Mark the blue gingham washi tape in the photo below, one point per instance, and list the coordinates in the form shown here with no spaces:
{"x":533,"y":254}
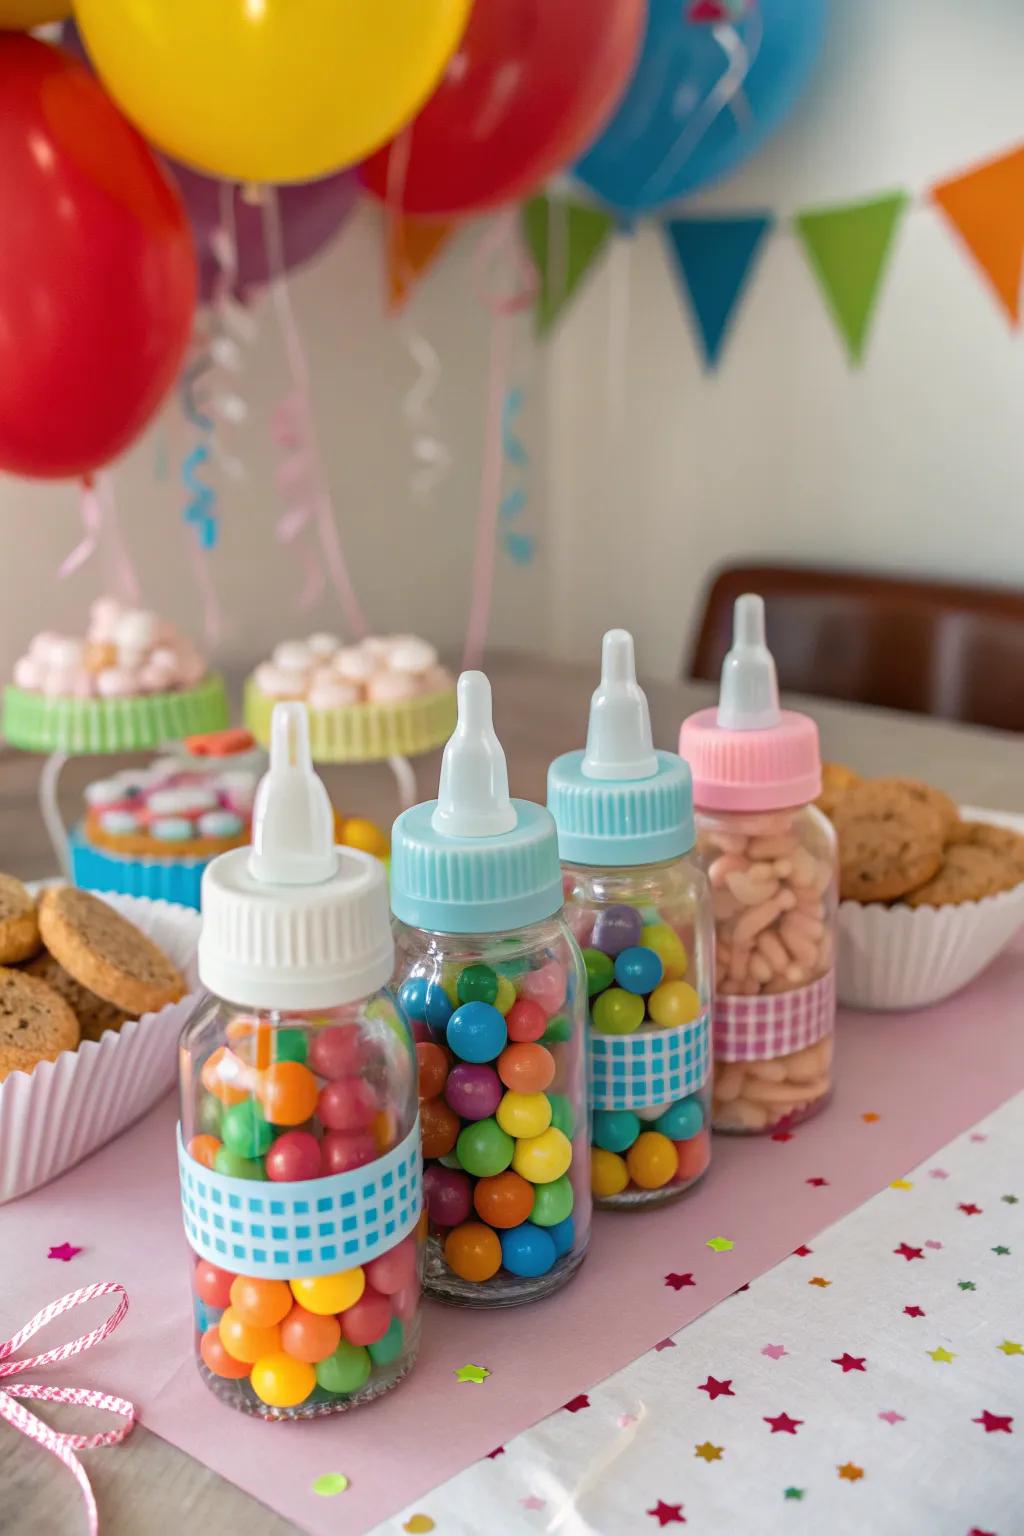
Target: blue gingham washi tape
{"x":650,"y":1067}
{"x":318,"y":1227}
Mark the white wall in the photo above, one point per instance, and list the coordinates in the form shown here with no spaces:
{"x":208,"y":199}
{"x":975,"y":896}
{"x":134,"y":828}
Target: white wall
{"x":645,"y":472}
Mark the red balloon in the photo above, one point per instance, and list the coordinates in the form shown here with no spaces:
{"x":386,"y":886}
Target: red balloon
{"x":529,"y":87}
{"x":97,"y":269}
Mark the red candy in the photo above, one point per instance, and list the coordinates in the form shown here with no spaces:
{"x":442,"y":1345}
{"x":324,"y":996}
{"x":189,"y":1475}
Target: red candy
{"x":337,"y":1051}
{"x":342,"y":1150}
{"x":212,"y":1285}
{"x":405,"y":1302}
{"x":216,"y":1358}
{"x":293,"y":1157}
{"x":694,"y":1156}
{"x":526,"y":1020}
{"x":367,"y":1321}
{"x":395,"y":1270}
{"x":347,"y":1104}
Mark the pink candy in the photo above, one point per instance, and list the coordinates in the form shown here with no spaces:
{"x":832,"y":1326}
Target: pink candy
{"x":545,"y":986}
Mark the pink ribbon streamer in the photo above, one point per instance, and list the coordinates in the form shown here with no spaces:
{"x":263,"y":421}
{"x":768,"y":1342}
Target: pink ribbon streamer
{"x":98,"y":511}
{"x":506,"y":284}
{"x":61,"y":1445}
{"x":91,"y":509}
{"x":296,"y":489}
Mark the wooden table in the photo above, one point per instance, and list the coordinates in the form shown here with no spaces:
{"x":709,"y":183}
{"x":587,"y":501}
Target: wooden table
{"x":147,"y":1488}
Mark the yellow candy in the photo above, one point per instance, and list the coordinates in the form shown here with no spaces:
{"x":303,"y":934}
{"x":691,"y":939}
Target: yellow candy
{"x":669,"y":948}
{"x":608,"y":1175}
{"x":358,"y":832}
{"x":544,"y":1158}
{"x":449,"y":982}
{"x":282,"y":1382}
{"x":506,"y":995}
{"x":652,"y":1160}
{"x":524,"y":1114}
{"x":674,"y":1002}
{"x":325,"y":1294}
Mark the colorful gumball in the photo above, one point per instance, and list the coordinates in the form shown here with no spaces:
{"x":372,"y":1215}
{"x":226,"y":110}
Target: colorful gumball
{"x":203,"y":1149}
{"x":288,"y":1092}
{"x":669,"y":947}
{"x":638,"y":969}
{"x":325,"y":1294}
{"x":368,"y":1320}
{"x":681,"y":1120}
{"x":652,"y":1160}
{"x":347,"y":1104}
{"x":439,"y":1127}
{"x":226,"y":1076}
{"x":524,"y":1114}
{"x":433,"y":1061}
{"x":526,"y":1020}
{"x":526,"y":1068}
{"x":291,"y":1045}
{"x":261,"y":1303}
{"x":617,"y":1012}
{"x":563,"y":1236}
{"x":477,"y":1032}
{"x":544,"y":1158}
{"x":310,"y":1336}
{"x":474,"y":1091}
{"x":563,"y":1117}
{"x":394,"y":1270}
{"x":234,"y":1167}
{"x":212,"y":1285}
{"x":484,"y":1149}
{"x":505,"y":997}
{"x":600,"y":970}
{"x":617,"y":928}
{"x":282,"y":1382}
{"x":694,"y":1156}
{"x":344,"y":1371}
{"x":448,"y":1195}
{"x":608,"y":1173}
{"x":387,"y":1349}
{"x":546,"y":985}
{"x":559,"y":1030}
{"x":244,"y":1129}
{"x":505,"y":1200}
{"x":337,"y":1051}
{"x":244,"y":1341}
{"x":527,"y":1250}
{"x":552,"y":1203}
{"x":477,"y":984}
{"x":615,"y":1129}
{"x":405,"y":1302}
{"x":216,"y":1358}
{"x":341,"y":1151}
{"x":674,"y":1003}
{"x":473,"y":1252}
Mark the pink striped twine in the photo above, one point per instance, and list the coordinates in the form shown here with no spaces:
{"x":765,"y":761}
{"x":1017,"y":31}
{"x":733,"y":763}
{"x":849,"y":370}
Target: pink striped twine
{"x":64,"y":1446}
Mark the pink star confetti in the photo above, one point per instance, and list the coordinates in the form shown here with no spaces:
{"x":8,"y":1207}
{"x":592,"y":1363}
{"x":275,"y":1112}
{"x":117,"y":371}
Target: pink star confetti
{"x":626,"y":1420}
{"x":933,"y":1243}
{"x":890,"y":1416}
{"x":914,"y":1311}
{"x":532,"y":1502}
{"x":937,"y":1173}
{"x":775,"y":1351}
{"x":802,"y":1251}
{"x":63,"y":1251}
{"x":499,"y":1450}
{"x":978,"y":1136}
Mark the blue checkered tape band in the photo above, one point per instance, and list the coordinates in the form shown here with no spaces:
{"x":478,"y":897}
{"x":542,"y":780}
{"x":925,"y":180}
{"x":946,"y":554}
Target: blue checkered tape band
{"x":654,"y":1066}
{"x":317,"y":1227}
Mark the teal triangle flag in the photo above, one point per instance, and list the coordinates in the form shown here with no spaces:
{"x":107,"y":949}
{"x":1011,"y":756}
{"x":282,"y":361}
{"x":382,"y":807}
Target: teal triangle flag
{"x":715,"y":258}
{"x":848,"y":248}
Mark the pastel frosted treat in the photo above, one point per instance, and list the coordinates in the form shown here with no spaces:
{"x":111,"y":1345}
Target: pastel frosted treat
{"x":125,"y":652}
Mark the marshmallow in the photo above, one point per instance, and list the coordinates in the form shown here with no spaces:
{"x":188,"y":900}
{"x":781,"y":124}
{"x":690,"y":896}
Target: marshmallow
{"x":28,"y":674}
{"x":354,"y":664}
{"x":412,"y":655}
{"x":187,"y":801}
{"x":116,"y":683}
{"x":328,"y":693}
{"x":292,"y":656}
{"x":136,"y":630}
{"x":323,"y":644}
{"x":390,"y":688}
{"x":277,"y":683}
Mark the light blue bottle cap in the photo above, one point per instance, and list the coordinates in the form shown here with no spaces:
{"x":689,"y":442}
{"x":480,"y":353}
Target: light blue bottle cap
{"x":474,"y":860}
{"x":620,"y":802}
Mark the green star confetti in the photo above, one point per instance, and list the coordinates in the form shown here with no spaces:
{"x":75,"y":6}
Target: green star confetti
{"x":330,"y":1483}
{"x":794,"y":1493}
{"x":719,"y":1244}
{"x":474,"y":1373}
{"x":1001,"y":1250}
{"x":967,"y":1285}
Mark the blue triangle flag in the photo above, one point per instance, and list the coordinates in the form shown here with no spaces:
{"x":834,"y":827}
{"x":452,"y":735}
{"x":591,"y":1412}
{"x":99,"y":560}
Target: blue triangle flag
{"x":715,"y":258}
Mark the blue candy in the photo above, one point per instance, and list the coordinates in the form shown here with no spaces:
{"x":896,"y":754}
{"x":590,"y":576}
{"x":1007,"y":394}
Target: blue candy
{"x":426,"y":1001}
{"x":638,"y":969}
{"x":477,"y":1032}
{"x":615,"y":1129}
{"x":528,"y":1250}
{"x":563,"y":1235}
{"x":681,"y":1120}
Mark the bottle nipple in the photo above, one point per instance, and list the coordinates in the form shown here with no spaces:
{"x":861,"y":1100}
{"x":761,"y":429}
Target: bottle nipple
{"x":472,"y":796}
{"x":293,"y":823}
{"x":619,"y":744}
{"x":749,"y":695}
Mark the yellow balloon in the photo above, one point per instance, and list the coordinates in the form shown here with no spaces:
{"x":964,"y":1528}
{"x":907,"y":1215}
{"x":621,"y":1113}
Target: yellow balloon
{"x":270,"y":90}
{"x":18,"y":15}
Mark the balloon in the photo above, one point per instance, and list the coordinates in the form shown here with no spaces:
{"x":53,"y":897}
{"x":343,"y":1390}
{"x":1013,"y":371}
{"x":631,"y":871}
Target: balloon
{"x":97,"y":270}
{"x":683,"y":121}
{"x":270,"y":90}
{"x":19,"y":15}
{"x":530,"y":85}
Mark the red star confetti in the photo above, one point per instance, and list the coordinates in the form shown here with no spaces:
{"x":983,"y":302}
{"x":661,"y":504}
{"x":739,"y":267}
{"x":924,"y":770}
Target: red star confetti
{"x":782,"y":1424}
{"x":802,"y":1251}
{"x":906,"y":1252}
{"x":850,"y":1472}
{"x":976,"y":1530}
{"x":816,"y":1183}
{"x":969,"y":1208}
{"x":819,"y":1280}
{"x":851,"y":1362}
{"x":890,"y":1416}
{"x":581,"y":1400}
{"x":664,"y":1344}
{"x":63,"y":1251}
{"x":914,"y":1311}
{"x":715,"y":1388}
{"x":775,"y":1351}
{"x":668,"y":1514}
{"x":679,"y":1282}
{"x":995,"y":1421}
{"x":499,"y":1450}
{"x":782,"y":1135}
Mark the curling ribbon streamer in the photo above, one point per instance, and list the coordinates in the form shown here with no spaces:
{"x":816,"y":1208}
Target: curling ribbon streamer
{"x":92,"y":527}
{"x":296,"y":489}
{"x":295,"y":412}
{"x":501,"y":246}
{"x":200,"y":498}
{"x":61,"y":1445}
{"x":519,"y":546}
{"x":99,"y":524}
{"x":429,"y":450}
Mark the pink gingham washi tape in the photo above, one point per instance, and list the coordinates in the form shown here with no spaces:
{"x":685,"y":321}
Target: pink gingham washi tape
{"x":761,"y":1028}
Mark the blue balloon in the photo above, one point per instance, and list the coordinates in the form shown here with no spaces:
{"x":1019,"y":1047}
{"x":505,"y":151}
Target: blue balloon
{"x":683,"y":122}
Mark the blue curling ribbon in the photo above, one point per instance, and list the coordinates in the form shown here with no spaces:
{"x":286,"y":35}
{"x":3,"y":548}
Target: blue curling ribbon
{"x":518,"y":546}
{"x":201,"y":498}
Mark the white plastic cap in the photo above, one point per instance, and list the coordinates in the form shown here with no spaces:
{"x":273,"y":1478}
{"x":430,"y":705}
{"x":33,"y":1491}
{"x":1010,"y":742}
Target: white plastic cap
{"x":749,"y":695}
{"x":472,"y":796}
{"x":294,"y":922}
{"x":619,"y":742}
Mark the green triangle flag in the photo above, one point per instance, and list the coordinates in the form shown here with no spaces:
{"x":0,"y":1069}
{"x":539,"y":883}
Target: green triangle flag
{"x":564,"y":240}
{"x":848,"y":249}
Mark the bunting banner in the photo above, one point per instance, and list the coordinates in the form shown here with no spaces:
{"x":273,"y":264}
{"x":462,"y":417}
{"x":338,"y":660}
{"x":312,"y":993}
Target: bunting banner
{"x":848,"y":248}
{"x":412,"y":247}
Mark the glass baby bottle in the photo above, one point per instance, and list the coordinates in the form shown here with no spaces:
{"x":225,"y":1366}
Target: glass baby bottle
{"x":299,"y":1144}
{"x":638,"y":904}
{"x":493,"y":985}
{"x":770,"y":856}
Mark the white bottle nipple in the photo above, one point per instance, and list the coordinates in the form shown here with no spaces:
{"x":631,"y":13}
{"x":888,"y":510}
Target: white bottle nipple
{"x":749,"y":695}
{"x":472,"y":796}
{"x":293,"y":823}
{"x":619,"y":744}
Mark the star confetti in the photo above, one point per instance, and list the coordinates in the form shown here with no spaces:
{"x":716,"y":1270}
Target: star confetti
{"x":890,"y":1416}
{"x":1009,"y":1199}
{"x":782,"y":1424}
{"x":499,"y":1450}
{"x":719,"y":1244}
{"x":709,"y":1452}
{"x":940,"y":1356}
{"x":715,"y":1388}
{"x":775,"y":1351}
{"x":1011,"y":1347}
{"x":978,"y":1136}
{"x":966,"y":1285}
{"x":901,"y":1184}
{"x":1001,"y":1251}
{"x":969,"y":1208}
{"x":418,"y":1525}
{"x":794,"y":1493}
{"x":626,"y":1420}
{"x":915,"y":1311}
{"x":994,"y":1421}
{"x":532,"y":1502}
{"x":906,"y":1252}
{"x":802,"y":1251}
{"x":933,"y":1243}
{"x":63,"y":1251}
{"x":668,"y":1514}
{"x":851,"y":1362}
{"x":575,"y":1404}
{"x":679,"y":1282}
{"x":782,"y":1135}
{"x":850,"y":1472}
{"x":477,"y":1374}
{"x":664,"y":1344}
{"x":818,"y":1183}
{"x":937,"y":1173}
{"x":817,"y":1280}
{"x":330,"y":1483}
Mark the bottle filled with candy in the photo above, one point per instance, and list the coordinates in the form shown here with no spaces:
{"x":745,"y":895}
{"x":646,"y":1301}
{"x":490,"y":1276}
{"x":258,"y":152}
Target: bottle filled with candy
{"x":638,"y":905}
{"x":299,"y":1145}
{"x":770,"y":856}
{"x":492,"y":983}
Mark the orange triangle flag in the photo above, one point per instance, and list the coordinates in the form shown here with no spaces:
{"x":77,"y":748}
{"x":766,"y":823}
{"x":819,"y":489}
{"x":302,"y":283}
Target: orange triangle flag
{"x":986,"y":208}
{"x":412,"y":246}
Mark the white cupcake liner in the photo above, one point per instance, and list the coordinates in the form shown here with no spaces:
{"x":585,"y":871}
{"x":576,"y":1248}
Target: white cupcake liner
{"x":903,"y":957}
{"x":53,"y":1117}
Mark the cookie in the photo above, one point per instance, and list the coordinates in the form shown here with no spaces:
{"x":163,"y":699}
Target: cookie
{"x":836,"y":779}
{"x":19,"y":927}
{"x":968,"y":873}
{"x":36,"y":1023}
{"x":1000,"y":840}
{"x":890,"y":841}
{"x":94,"y":1015}
{"x":105,"y":953}
{"x":883,"y":794}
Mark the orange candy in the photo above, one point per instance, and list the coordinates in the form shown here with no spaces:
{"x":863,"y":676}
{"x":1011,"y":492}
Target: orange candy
{"x":383,"y":1130}
{"x":262,"y":1303}
{"x":694,"y":1156}
{"x":440,"y":1127}
{"x":226,"y":1076}
{"x":288,"y":1093}
{"x":434,"y":1063}
{"x":526,"y":1068}
{"x":216,"y":1358}
{"x":652,"y":1160}
{"x":204,"y":1149}
{"x":308,"y":1336}
{"x":245,"y":1342}
{"x":473,"y":1251}
{"x":503,"y":1200}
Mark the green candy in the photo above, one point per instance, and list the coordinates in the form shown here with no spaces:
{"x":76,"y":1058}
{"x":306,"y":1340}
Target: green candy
{"x":290,"y":1045}
{"x":617,"y":1012}
{"x":450,"y":1160}
{"x":390,"y":1346}
{"x":208,"y":1115}
{"x":559,"y":1030}
{"x":477,"y":984}
{"x":484,"y":1149}
{"x":244,"y":1129}
{"x":562,"y":1116}
{"x":552,"y":1202}
{"x":346,"y":1370}
{"x":235,"y":1167}
{"x":600,"y":970}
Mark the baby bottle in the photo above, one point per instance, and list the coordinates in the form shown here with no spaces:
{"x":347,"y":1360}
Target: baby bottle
{"x":770,"y":856}
{"x":638,"y":904}
{"x":493,"y":985}
{"x":299,"y":1144}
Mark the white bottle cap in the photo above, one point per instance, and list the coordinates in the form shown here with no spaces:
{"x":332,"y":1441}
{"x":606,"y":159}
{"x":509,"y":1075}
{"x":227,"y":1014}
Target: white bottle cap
{"x":472,"y":796}
{"x":749,"y":695}
{"x":294,"y":922}
{"x":619,"y":742}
